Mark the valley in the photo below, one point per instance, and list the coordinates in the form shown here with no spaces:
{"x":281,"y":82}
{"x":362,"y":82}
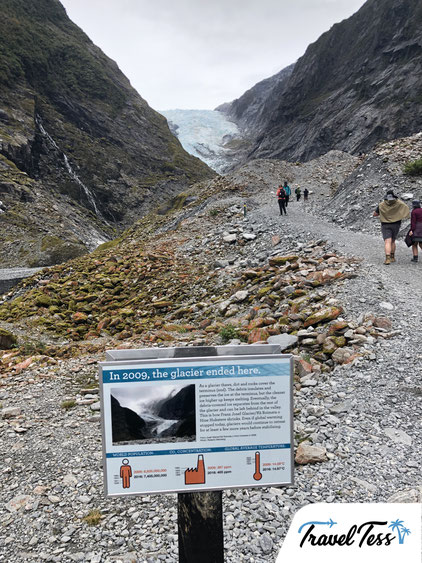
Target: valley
{"x":121,"y":228}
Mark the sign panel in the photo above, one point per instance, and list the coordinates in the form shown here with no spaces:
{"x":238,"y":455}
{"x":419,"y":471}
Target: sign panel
{"x":191,"y":424}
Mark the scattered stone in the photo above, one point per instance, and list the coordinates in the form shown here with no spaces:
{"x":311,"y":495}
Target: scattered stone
{"x":398,"y":436}
{"x":341,"y":407}
{"x":18,"y":502}
{"x":306,"y":453}
{"x":283,"y":340}
{"x":407,"y":495}
{"x":323,"y":315}
{"x":387,"y":306}
{"x":10,"y":412}
{"x":240,"y":296}
{"x":383,"y":322}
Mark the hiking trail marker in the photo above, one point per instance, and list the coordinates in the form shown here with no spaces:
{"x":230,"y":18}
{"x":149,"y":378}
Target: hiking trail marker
{"x":190,"y":420}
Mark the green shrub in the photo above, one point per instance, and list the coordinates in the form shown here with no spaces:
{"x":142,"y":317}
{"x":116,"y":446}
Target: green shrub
{"x":93,"y":517}
{"x":229,"y":332}
{"x":413,"y":168}
{"x":215,"y":211}
{"x":66,"y":405}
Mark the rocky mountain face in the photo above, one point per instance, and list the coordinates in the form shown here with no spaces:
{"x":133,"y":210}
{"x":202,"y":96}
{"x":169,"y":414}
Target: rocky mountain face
{"x":126,"y":424}
{"x":254,"y":108}
{"x":180,"y":405}
{"x":358,"y":84}
{"x":81,"y":153}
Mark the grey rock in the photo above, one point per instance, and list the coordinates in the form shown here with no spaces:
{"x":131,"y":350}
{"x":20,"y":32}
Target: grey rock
{"x":10,"y":412}
{"x":407,"y":495}
{"x":283,"y":340}
{"x":398,"y":436}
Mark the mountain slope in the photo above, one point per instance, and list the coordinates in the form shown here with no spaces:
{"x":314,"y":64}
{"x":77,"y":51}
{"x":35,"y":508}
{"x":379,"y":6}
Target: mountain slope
{"x":71,"y":121}
{"x":252,"y":110}
{"x":359,"y":83}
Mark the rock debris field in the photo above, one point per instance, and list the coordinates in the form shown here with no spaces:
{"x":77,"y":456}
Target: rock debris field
{"x":360,"y":411}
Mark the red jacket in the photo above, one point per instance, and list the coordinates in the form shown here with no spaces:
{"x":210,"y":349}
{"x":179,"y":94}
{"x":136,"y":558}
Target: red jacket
{"x":281,"y":194}
{"x":416,"y":222}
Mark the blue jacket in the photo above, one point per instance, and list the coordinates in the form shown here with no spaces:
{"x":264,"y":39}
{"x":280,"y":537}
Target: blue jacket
{"x":287,"y":190}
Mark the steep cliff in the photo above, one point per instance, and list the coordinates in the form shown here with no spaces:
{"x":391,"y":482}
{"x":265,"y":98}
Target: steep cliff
{"x":254,"y":108}
{"x":84,"y":138}
{"x":358,"y":84}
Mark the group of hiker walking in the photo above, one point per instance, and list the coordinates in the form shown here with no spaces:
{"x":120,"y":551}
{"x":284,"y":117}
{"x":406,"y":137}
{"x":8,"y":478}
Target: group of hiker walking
{"x":283,"y":195}
{"x":392,"y":211}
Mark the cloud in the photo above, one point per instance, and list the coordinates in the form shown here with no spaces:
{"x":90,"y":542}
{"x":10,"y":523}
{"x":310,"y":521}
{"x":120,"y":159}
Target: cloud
{"x":197,"y":53}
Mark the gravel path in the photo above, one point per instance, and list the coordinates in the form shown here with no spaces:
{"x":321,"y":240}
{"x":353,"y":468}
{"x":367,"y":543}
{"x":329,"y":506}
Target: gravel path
{"x":367,"y":415}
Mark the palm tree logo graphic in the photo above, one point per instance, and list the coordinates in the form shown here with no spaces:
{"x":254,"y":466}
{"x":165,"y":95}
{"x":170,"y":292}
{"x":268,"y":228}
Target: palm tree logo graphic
{"x":402,"y":531}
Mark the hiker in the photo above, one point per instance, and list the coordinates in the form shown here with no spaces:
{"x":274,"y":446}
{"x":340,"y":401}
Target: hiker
{"x":391,"y":211}
{"x":298,"y":193}
{"x":281,"y":195}
{"x":305,"y":194}
{"x":416,"y":228}
{"x":288,"y":192}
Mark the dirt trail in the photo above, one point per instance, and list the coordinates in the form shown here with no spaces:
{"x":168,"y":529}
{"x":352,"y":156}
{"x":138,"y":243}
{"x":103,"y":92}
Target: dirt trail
{"x":403,"y":274}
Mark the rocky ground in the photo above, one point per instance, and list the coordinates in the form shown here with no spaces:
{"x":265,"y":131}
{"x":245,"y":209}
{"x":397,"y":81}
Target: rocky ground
{"x":354,"y":327}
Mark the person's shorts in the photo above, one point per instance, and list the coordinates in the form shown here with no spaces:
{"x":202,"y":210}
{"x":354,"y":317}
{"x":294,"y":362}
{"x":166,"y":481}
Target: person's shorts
{"x":390,"y":230}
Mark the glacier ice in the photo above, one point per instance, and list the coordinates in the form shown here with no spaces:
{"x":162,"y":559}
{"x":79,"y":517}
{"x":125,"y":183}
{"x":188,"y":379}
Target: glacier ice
{"x":206,"y":134}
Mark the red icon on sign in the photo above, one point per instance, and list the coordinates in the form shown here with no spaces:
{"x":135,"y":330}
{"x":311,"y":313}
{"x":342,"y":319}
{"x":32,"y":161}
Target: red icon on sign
{"x":196,"y":476}
{"x":125,"y":473}
{"x":257,"y":475}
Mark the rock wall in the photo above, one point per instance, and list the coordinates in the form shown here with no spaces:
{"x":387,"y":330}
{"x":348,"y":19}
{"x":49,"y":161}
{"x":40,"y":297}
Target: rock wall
{"x":357,"y":85}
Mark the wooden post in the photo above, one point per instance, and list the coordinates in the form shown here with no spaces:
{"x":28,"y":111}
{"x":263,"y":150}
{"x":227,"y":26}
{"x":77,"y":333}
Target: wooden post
{"x":200,"y":515}
{"x":200,"y":521}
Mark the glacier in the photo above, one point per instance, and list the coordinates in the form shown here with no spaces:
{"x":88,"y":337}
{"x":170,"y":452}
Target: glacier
{"x":207,"y":134}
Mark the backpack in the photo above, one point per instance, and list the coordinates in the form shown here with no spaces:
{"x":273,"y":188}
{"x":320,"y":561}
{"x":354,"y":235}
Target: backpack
{"x":281,"y":194}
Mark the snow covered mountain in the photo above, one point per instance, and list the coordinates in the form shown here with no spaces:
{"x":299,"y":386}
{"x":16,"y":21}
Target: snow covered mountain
{"x":207,"y":134}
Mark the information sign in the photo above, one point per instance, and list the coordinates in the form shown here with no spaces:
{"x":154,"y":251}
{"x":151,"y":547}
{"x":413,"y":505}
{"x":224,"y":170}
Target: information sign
{"x":193,"y":424}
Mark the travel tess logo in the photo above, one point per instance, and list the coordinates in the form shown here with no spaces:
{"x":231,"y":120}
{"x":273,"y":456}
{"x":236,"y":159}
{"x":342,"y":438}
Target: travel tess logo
{"x":366,"y":534}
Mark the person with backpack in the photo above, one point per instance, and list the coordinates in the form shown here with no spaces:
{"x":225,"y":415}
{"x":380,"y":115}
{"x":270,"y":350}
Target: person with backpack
{"x":281,"y":196}
{"x":305,"y":194}
{"x":391,"y":212}
{"x":288,"y":192}
{"x":416,"y":228}
{"x":298,"y":193}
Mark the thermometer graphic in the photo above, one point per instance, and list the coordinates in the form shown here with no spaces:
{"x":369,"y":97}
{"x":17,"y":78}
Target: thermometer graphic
{"x":257,"y":475}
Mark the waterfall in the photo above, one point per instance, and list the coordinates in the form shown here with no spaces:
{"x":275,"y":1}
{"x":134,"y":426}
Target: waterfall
{"x":69,"y":168}
{"x":88,"y":193}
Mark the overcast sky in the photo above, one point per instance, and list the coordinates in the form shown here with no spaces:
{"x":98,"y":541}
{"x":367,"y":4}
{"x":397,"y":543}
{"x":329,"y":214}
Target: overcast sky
{"x":197,"y":54}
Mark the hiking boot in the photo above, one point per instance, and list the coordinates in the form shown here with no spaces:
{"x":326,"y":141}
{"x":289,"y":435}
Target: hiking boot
{"x":387,"y":259}
{"x":392,"y":257}
{"x":414,"y":259}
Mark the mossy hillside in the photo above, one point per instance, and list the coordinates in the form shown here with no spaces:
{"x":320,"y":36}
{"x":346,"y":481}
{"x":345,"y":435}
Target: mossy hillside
{"x":116,"y":293}
{"x":40,"y":44}
{"x":174,"y":303}
{"x":129,"y":288}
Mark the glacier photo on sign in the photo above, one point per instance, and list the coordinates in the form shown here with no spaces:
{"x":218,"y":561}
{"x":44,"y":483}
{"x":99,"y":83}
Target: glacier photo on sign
{"x":151,"y":415}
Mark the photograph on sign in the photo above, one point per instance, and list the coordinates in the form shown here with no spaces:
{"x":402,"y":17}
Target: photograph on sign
{"x":163,"y":413}
{"x":196,"y":424}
